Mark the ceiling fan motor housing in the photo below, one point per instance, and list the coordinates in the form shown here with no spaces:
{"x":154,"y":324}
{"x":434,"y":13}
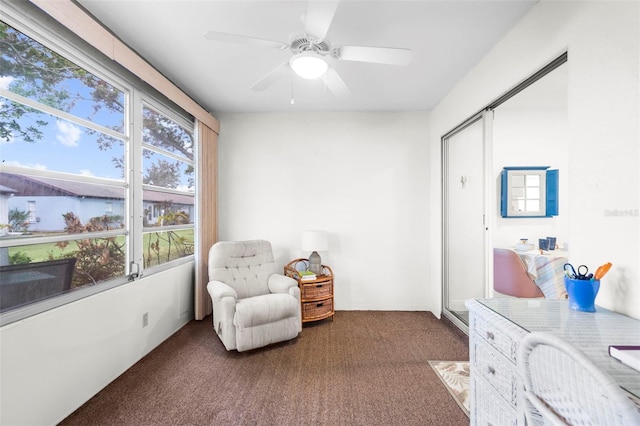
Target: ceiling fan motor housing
{"x":305,"y":43}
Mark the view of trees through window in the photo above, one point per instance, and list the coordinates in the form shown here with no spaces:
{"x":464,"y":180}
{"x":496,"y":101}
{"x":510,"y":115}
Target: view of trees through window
{"x":69,"y":172}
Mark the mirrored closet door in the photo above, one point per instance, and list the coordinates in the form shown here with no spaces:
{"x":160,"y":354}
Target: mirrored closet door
{"x":465,"y":232}
{"x":525,"y":126}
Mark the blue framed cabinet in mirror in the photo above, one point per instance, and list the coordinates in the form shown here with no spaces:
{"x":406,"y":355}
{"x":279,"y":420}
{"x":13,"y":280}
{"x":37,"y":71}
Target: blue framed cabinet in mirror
{"x":529,"y":192}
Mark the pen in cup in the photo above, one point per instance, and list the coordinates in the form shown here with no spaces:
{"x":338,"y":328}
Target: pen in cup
{"x":602,"y":270}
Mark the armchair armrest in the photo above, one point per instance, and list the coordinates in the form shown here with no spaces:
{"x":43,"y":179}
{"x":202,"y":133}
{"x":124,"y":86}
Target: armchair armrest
{"x":281,"y":284}
{"x":219,"y":290}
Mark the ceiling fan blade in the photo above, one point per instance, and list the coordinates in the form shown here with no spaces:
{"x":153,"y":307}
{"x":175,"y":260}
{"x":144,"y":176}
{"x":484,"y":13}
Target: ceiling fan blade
{"x":241,"y":39}
{"x":335,"y":83}
{"x":319,"y":17}
{"x":272,"y":76}
{"x":378,"y":55}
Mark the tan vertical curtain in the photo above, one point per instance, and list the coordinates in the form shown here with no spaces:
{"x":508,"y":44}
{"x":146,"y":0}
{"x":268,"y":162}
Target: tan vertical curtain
{"x":207,"y":226}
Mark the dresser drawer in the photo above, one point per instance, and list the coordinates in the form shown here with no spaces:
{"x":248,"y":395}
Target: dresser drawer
{"x":488,"y":409}
{"x":502,"y":334}
{"x":317,"y":290}
{"x":498,"y":371}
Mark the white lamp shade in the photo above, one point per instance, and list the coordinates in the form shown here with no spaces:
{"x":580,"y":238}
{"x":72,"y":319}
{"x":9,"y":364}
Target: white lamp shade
{"x":315,"y":241}
{"x":308,"y":65}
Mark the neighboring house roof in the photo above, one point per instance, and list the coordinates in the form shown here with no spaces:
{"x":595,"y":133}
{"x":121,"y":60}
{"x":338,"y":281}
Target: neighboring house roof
{"x":6,"y":190}
{"x":159,"y":196}
{"x":37,"y":186}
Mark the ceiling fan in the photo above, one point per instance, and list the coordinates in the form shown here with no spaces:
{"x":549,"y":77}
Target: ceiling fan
{"x":313,"y":54}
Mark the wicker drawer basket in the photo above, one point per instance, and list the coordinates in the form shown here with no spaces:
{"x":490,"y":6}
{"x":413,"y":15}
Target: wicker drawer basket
{"x":318,"y":290}
{"x":317,"y":309}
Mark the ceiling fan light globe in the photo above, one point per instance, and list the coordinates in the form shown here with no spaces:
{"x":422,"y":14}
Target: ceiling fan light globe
{"x":308,"y":65}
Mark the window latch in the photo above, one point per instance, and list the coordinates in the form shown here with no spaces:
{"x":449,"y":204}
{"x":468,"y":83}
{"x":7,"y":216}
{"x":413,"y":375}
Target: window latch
{"x":134,"y":269}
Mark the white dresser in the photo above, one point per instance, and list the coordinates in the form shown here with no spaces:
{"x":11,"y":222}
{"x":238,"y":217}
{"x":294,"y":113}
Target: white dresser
{"x":496,"y":327}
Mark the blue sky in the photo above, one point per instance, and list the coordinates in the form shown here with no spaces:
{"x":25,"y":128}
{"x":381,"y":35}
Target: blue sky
{"x":65,"y":146}
{"x":69,"y":147}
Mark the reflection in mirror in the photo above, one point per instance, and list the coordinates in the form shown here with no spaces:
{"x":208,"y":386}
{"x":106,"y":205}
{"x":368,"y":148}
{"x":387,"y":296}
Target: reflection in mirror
{"x":526,"y":193}
{"x":529,"y":192}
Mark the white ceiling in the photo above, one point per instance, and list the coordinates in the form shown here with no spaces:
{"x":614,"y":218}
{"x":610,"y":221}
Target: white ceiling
{"x":447,"y":39}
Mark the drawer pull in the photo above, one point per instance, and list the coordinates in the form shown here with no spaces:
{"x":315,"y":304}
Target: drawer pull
{"x":319,"y":305}
{"x":319,"y":285}
{"x":491,"y":370}
{"x":490,"y":335}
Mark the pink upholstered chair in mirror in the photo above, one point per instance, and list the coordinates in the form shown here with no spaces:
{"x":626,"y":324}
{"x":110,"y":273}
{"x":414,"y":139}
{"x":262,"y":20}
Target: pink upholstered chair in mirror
{"x":510,"y":275}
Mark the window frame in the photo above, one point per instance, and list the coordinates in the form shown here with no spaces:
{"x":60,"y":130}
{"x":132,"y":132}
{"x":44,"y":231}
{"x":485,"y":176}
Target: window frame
{"x":159,"y":107}
{"x":136,"y":94}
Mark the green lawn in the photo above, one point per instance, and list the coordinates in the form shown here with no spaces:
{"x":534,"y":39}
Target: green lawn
{"x":42,"y":252}
{"x":182,"y":245}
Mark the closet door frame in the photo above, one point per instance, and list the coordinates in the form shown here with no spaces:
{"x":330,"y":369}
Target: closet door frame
{"x":486,"y":117}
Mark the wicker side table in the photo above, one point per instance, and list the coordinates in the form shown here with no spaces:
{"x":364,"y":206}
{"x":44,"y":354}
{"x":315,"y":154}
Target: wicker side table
{"x":316,"y":296}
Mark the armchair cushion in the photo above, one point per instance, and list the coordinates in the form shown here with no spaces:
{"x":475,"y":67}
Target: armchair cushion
{"x":264,"y":309}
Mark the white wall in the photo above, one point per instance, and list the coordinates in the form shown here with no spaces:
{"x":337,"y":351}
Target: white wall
{"x":602,"y":39}
{"x":54,"y":362}
{"x":362,"y":177}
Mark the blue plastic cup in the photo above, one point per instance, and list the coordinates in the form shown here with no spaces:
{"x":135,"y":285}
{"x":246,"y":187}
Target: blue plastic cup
{"x":543,"y":243}
{"x":582,"y":294}
{"x":552,"y":243}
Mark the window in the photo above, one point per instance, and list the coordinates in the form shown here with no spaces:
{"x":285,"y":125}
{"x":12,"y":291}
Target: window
{"x":168,"y":184}
{"x":529,"y":192}
{"x":31,"y":208}
{"x":68,"y":148}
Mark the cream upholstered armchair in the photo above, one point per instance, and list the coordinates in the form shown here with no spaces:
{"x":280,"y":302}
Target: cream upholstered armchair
{"x":253,"y":306}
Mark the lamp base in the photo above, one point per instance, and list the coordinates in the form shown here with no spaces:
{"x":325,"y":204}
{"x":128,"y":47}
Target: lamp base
{"x":315,"y":264}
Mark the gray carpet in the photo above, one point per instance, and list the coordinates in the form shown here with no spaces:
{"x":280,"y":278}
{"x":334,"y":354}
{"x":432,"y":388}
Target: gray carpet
{"x":365,"y":368}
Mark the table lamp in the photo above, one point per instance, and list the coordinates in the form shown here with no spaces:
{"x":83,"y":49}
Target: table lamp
{"x":315,"y":241}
